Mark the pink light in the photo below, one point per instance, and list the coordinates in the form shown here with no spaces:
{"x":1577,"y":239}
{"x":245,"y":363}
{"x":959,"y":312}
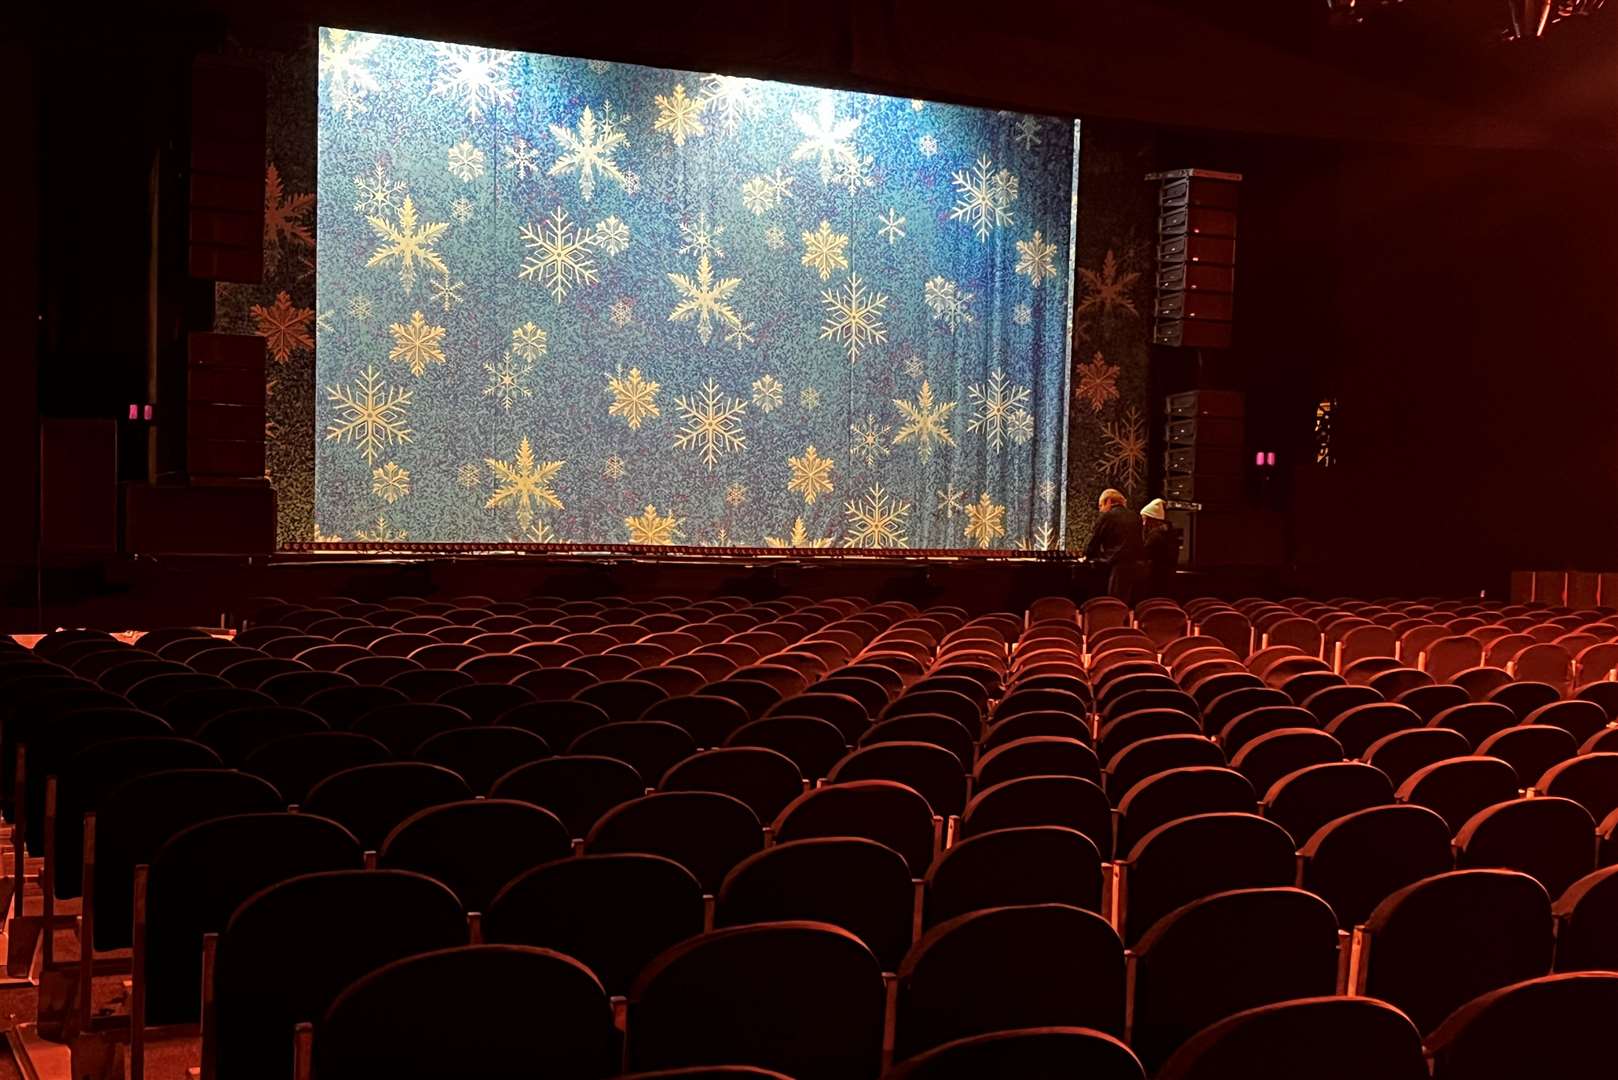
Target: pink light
{"x":149,"y":416}
{"x":1258,"y":458}
{"x":134,"y":412}
{"x":1269,"y":458}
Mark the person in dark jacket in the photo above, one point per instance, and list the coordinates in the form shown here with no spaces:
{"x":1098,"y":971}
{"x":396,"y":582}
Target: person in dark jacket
{"x":1161,"y":542}
{"x":1116,"y":543}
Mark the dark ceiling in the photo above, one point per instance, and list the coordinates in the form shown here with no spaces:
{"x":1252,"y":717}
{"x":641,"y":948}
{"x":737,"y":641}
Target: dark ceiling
{"x":1427,"y":71}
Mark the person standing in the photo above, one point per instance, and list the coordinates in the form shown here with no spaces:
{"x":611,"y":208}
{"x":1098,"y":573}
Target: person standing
{"x":1116,"y":543}
{"x":1161,"y":543}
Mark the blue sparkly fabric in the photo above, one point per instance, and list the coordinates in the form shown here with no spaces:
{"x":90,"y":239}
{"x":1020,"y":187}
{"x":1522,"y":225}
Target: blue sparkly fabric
{"x":572,"y":301}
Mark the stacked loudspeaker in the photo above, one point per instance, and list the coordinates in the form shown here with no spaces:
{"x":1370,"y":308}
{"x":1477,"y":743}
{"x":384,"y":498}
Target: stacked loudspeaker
{"x":1196,"y":258}
{"x":1204,"y":440}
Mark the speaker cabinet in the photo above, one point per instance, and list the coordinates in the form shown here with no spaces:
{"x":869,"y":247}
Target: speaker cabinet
{"x":1196,"y":258}
{"x":227,"y":171}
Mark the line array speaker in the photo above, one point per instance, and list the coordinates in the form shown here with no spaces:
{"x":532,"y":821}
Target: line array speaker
{"x":1196,"y":258}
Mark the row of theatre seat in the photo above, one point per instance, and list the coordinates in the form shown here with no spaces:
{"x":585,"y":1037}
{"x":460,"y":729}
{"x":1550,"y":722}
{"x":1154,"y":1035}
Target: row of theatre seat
{"x":825,"y":839}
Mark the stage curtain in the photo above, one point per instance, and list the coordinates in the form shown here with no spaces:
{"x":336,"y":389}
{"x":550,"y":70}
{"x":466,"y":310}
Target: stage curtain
{"x":572,"y":301}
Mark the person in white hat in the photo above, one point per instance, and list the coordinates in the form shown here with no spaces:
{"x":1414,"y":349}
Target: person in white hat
{"x":1161,"y":541}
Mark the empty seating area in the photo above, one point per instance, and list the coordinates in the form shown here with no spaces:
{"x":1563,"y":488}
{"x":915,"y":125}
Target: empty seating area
{"x":822,"y":839}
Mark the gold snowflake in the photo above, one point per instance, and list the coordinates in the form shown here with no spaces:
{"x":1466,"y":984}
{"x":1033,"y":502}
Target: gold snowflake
{"x":1107,"y":291}
{"x":558,"y":254}
{"x":868,"y":444}
{"x":507,"y":380}
{"x":679,"y":115}
{"x":767,"y":393}
{"x":529,"y":341}
{"x":1097,"y":382}
{"x":1123,"y":457}
{"x":359,"y":307}
{"x":634,"y":397}
{"x":284,"y":218}
{"x":469,"y":475}
{"x":323,"y":538}
{"x":926,"y":422}
{"x":798,"y":538}
{"x":985,"y":521}
{"x":811,"y":475}
{"x":465,"y":161}
{"x":525,"y":482}
{"x":447,"y":292}
{"x":704,"y":299}
{"x":998,"y":408}
{"x":984,"y":197}
{"x":876,"y":521}
{"x":1034,"y":258}
{"x":590,"y":150}
{"x":417,"y":343}
{"x":390,"y":483}
{"x":408,"y":243}
{"x":540,"y":533}
{"x":736,"y":494}
{"x":809,"y":398}
{"x":380,"y":533}
{"x":732,"y":99}
{"x":712,"y":424}
{"x":613,"y":468}
{"x":853,"y":316}
{"x":371,"y":415}
{"x":343,"y":55}
{"x":623,"y":311}
{"x":652,"y":528}
{"x":825,"y":137}
{"x":823,"y":250}
{"x":283,"y":327}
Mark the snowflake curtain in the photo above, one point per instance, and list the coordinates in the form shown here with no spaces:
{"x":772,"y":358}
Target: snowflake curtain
{"x":574,"y":301}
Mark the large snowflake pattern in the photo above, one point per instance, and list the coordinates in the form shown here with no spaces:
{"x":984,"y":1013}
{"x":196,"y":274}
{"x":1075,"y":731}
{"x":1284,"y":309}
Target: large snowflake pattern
{"x":1035,"y":258}
{"x":378,"y":194}
{"x":1097,"y":383}
{"x":984,"y":196}
{"x":825,"y":137}
{"x":1107,"y":290}
{"x":853,"y":316}
{"x":474,"y":75}
{"x":705,"y":299}
{"x":407,"y":242}
{"x":712,"y":424}
{"x":926,"y":421}
{"x":949,"y":303}
{"x":701,"y":238}
{"x":284,"y":327}
{"x":653,"y":528}
{"x":590,"y":149}
{"x":876,"y":520}
{"x":823,"y":250}
{"x":371,"y":415}
{"x":985,"y":521}
{"x":869,"y":443}
{"x":998,"y":408}
{"x":634,"y":397}
{"x":417,"y":343}
{"x":1123,"y":454}
{"x":508,"y":380}
{"x":731,"y":99}
{"x":811,"y":475}
{"x":558,"y":255}
{"x":343,"y":55}
{"x":525,"y":482}
{"x":678,"y":115}
{"x":799,"y":537}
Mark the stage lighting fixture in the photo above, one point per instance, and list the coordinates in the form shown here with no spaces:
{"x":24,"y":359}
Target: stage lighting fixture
{"x":1528,"y":20}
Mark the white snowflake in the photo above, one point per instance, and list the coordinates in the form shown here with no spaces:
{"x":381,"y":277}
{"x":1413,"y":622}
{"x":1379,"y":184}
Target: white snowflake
{"x":1022,"y":314}
{"x":949,"y":501}
{"x":916,"y":104}
{"x":600,"y":67}
{"x":853,"y":316}
{"x":1042,"y":540}
{"x":853,"y":174}
{"x":522,"y":157}
{"x":461,"y":209}
{"x":705,"y":298}
{"x":1035,"y":258}
{"x":558,"y":255}
{"x":447,"y":292}
{"x":475,"y":75}
{"x":323,"y":322}
{"x":465,"y":161}
{"x":949,"y":303}
{"x":590,"y":149}
{"x":761,"y":193}
{"x":736,"y":494}
{"x":623,"y":311}
{"x":701,"y":239}
{"x":507,"y":380}
{"x":1027,"y":133}
{"x":998,"y":407}
{"x":1047,"y":490}
{"x":612,"y":235}
{"x":868,"y":444}
{"x":876,"y":521}
{"x":740,"y":335}
{"x":359,"y":307}
{"x":913,"y":366}
{"x":343,"y":55}
{"x":732,"y":99}
{"x":825,"y":137}
{"x":613,"y":468}
{"x":1020,"y":426}
{"x":379,"y":194}
{"x":712,"y":424}
{"x":928,"y":145}
{"x":892,"y":227}
{"x":767,"y":392}
{"x":983,"y":197}
{"x":809,"y":398}
{"x":775,"y":238}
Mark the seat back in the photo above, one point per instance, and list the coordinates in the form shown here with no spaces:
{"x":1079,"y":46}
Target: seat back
{"x":578,"y":788}
{"x":1550,"y":839}
{"x":704,"y":831}
{"x":1354,"y":861}
{"x":1441,"y":941}
{"x":1198,"y":856}
{"x":1325,"y":1038}
{"x":369,"y":800}
{"x":475,"y":846}
{"x":1400,"y":754}
{"x":933,"y":771}
{"x":1041,"y":864}
{"x":889,"y":813}
{"x":803,"y":998}
{"x":1557,"y":1025}
{"x":614,"y":913}
{"x":1457,"y":788}
{"x":1178,"y":793}
{"x":1009,"y":967}
{"x":1530,"y":749}
{"x":1042,"y":800}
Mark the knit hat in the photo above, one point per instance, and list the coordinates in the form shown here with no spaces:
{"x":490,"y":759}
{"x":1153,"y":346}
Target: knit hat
{"x":1153,"y":509}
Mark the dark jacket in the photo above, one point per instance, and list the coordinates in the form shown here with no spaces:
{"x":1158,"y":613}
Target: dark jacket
{"x":1116,"y":539}
{"x":1162,"y":546}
